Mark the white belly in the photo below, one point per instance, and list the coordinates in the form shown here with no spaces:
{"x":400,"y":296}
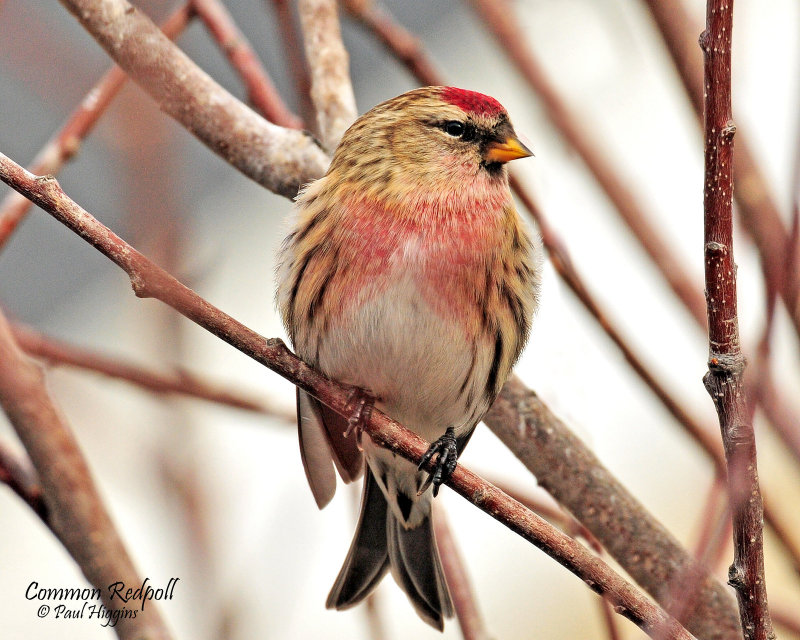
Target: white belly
{"x":412,"y":359}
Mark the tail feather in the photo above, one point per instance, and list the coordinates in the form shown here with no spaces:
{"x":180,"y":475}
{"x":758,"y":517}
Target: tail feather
{"x":417,"y":568}
{"x":367,"y":560}
{"x":381,"y":541}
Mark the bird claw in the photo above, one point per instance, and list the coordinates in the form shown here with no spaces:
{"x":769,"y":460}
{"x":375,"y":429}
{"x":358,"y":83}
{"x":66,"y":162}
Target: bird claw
{"x":446,"y":461}
{"x":359,"y":405}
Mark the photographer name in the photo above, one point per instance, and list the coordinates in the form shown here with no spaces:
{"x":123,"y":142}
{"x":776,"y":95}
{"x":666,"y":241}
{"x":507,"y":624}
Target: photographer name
{"x":117,"y":590}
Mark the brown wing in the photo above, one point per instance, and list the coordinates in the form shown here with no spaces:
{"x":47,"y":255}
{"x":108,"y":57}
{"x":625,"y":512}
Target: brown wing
{"x":321,"y":433}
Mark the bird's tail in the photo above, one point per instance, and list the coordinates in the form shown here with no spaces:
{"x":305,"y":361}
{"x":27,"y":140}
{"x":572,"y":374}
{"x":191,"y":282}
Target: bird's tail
{"x":382,"y":542}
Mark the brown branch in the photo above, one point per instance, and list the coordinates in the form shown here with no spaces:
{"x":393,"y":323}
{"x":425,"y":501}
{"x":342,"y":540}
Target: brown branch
{"x":76,"y":513}
{"x":464,"y":601}
{"x":66,"y":143}
{"x":724,"y":380}
{"x":280,"y":159}
{"x":499,"y":17}
{"x":405,"y":47}
{"x":17,"y":472}
{"x":298,"y":69}
{"x":579,"y":481}
{"x":262,"y":94}
{"x":178,"y":381}
{"x":331,"y":89}
{"x":149,"y":280}
{"x":759,"y":213}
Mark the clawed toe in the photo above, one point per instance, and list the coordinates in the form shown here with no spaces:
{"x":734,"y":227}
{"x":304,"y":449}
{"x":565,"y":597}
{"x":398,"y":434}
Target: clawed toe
{"x":445,"y":463}
{"x":359,"y":404}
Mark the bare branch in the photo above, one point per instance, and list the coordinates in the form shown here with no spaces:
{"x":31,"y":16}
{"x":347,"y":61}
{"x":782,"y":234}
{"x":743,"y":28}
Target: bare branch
{"x":149,"y":280}
{"x":331,"y":89}
{"x":280,"y":159}
{"x":724,"y":380}
{"x":66,"y":143}
{"x":76,"y":513}
{"x":179,"y":382}
{"x":261,"y":92}
{"x":757,"y":208}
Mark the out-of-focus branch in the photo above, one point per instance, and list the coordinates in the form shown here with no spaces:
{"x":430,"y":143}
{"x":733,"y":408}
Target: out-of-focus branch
{"x":76,"y":513}
{"x":178,"y":382}
{"x":757,"y":208}
{"x":66,"y":143}
{"x":17,"y":472}
{"x":262,"y":94}
{"x":578,"y":481}
{"x":499,"y":17}
{"x":464,"y":601}
{"x":280,"y":159}
{"x":405,"y":47}
{"x":331,"y":89}
{"x":149,"y":280}
{"x":724,"y":380}
{"x":295,"y":60}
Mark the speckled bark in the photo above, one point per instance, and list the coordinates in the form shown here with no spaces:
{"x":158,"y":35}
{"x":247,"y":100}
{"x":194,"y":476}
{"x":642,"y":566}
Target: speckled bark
{"x":573,"y":475}
{"x":724,"y":380}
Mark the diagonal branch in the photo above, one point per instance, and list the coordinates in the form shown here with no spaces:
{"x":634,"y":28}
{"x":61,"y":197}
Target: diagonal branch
{"x":149,"y":280}
{"x":724,"y":380}
{"x":76,"y":512}
{"x":280,"y":159}
{"x":262,"y":94}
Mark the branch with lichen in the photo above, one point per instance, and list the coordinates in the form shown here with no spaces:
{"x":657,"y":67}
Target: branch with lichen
{"x":149,"y":280}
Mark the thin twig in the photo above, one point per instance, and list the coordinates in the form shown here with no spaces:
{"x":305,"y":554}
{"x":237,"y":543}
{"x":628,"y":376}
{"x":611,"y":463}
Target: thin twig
{"x":76,"y":512}
{"x":280,"y":159}
{"x":66,"y":143}
{"x":261,"y":93}
{"x":464,"y":601}
{"x":724,"y":380}
{"x":149,"y":280}
{"x":178,"y":381}
{"x":331,"y":89}
{"x":759,"y":213}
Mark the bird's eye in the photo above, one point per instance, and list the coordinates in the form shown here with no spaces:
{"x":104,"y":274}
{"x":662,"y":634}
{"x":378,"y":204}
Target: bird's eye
{"x":454,"y":128}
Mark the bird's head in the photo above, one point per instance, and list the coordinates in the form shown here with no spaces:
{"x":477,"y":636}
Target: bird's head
{"x":440,"y":138}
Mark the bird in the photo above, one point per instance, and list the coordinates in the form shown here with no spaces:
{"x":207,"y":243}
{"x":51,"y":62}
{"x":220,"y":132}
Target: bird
{"x":408,"y":274}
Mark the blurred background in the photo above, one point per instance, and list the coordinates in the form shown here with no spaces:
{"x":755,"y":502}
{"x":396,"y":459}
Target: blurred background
{"x":217,"y":496}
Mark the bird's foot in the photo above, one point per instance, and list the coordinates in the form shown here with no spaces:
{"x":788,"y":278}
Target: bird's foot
{"x":359,"y":405}
{"x":446,"y":461}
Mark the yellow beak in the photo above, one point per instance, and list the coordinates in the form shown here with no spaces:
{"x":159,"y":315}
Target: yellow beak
{"x":509,"y":149}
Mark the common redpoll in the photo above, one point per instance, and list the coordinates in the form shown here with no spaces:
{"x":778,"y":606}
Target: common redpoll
{"x":409,"y":274}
